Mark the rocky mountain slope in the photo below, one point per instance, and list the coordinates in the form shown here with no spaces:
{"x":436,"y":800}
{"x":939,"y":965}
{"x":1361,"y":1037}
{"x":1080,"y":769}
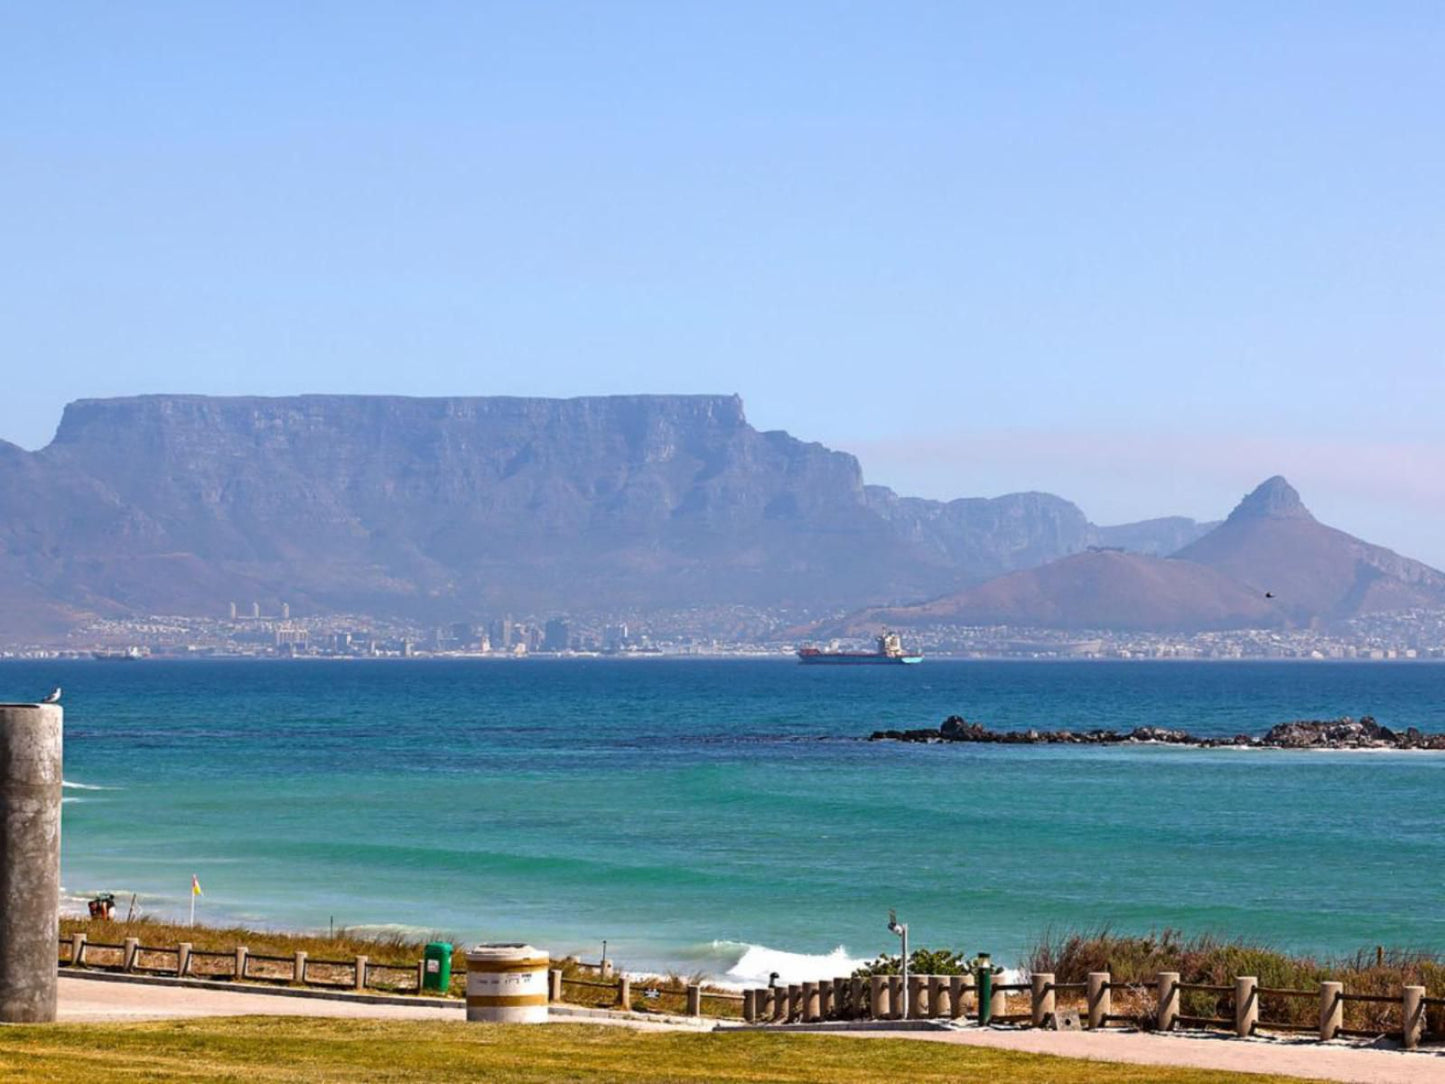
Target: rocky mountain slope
{"x":439,"y":508}
{"x":1269,"y":564}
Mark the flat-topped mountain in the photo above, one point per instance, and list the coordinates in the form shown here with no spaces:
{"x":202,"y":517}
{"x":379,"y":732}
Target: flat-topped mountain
{"x":1270,"y":563}
{"x":440,"y":508}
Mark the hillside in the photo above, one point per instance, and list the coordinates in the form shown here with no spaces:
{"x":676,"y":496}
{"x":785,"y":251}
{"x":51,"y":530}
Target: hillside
{"x":1272,"y":543}
{"x":1270,"y":563}
{"x":447,"y":508}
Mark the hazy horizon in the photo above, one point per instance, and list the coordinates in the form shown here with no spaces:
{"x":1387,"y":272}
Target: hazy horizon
{"x":1142,"y":258}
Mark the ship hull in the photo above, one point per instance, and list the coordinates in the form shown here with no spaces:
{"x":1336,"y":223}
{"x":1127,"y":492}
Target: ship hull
{"x":843,"y":658}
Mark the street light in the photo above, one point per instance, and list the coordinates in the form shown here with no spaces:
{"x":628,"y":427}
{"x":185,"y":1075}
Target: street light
{"x":901,"y":929}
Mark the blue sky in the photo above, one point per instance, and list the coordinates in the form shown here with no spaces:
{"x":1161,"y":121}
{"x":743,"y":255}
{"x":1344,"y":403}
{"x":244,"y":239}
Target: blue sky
{"x":1142,"y":255}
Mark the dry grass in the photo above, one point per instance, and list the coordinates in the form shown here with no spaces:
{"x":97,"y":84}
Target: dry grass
{"x":1214,"y":961}
{"x":261,"y":1050}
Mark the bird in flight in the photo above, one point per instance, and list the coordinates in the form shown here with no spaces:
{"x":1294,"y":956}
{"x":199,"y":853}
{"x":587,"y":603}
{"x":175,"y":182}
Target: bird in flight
{"x":53,"y":697}
{"x":1269,"y":594}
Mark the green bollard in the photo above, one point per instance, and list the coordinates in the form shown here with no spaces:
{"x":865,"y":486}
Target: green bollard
{"x":983,"y":982}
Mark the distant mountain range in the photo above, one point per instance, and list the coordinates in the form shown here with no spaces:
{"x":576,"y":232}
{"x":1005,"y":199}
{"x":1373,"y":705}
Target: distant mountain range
{"x":1270,"y":564}
{"x":453,"y":509}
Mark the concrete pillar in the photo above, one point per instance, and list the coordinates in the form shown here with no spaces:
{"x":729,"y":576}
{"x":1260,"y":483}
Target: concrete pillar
{"x":77,"y":949}
{"x":694,"y":999}
{"x":858,"y":998}
{"x":128,"y":953}
{"x":241,"y":954}
{"x":183,"y":958}
{"x":795,"y":1001}
{"x":917,"y":996}
{"x":878,"y":997}
{"x":606,"y":968}
{"x":811,"y":1002}
{"x":30,"y":777}
{"x":956,"y":992}
{"x":1412,"y":1002}
{"x":826,"y":1010}
{"x":1168,"y":1000}
{"x":624,"y":993}
{"x":1041,"y":1003}
{"x":780,"y":1004}
{"x":420,"y":974}
{"x":999,"y":1001}
{"x":1100,"y":999}
{"x":750,"y":1006}
{"x":1332,"y":1010}
{"x":361,"y":962}
{"x":895,"y":997}
{"x":937,"y":995}
{"x":298,"y":969}
{"x":1246,"y":1005}
{"x":554,"y":984}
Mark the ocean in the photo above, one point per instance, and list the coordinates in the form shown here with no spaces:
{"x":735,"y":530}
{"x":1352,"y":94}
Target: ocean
{"x":724,"y":816}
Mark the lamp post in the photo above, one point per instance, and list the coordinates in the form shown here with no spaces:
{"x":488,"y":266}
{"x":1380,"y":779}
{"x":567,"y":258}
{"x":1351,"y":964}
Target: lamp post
{"x":901,"y":929}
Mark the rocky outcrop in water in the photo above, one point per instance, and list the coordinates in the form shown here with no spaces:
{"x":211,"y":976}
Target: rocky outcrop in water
{"x":1345,"y":733}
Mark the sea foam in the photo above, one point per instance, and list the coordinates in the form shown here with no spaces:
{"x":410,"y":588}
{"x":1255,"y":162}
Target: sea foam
{"x":740,"y":964}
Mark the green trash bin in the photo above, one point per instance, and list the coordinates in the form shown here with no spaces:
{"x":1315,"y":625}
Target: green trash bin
{"x":436,"y":972}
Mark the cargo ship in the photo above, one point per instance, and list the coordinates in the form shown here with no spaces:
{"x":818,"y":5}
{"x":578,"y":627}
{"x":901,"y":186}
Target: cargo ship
{"x":888,"y":653}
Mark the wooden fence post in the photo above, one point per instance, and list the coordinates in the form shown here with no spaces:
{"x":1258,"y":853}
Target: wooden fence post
{"x":241,"y":953}
{"x":999,"y":1003}
{"x":750,"y":1006}
{"x":1246,"y":1005}
{"x":795,"y":1001}
{"x":878,"y":996}
{"x":780,"y":1004}
{"x":825,"y":999}
{"x":298,"y":967}
{"x":858,"y":997}
{"x":554,"y":984}
{"x":1100,"y":999}
{"x":895,"y":997}
{"x":624,"y":993}
{"x":1332,"y":1009}
{"x":183,"y":959}
{"x":917,"y":996}
{"x":694,"y":999}
{"x":1041,"y":1002}
{"x":1168,"y":1000}
{"x":957,"y":989}
{"x":132,"y":944}
{"x":937,"y":996}
{"x":1412,"y":1004}
{"x":77,"y":949}
{"x":361,"y":962}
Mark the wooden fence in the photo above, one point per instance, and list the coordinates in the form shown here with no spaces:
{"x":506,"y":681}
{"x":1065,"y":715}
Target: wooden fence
{"x":1238,"y":1008}
{"x":186,"y":961}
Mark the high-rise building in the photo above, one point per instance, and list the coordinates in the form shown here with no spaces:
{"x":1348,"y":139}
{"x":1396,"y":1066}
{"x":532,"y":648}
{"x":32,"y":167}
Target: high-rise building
{"x":555,"y":638}
{"x":233,"y":611}
{"x":285,"y":611}
{"x":255,"y":609}
{"x":501,"y":633}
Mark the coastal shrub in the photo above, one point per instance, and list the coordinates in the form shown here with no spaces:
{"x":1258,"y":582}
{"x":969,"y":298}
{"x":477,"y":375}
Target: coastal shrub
{"x":921,"y":961}
{"x":1210,"y":960}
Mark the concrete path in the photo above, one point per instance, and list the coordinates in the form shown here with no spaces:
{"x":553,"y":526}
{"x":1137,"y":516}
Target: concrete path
{"x":118,"y":1002}
{"x":1289,"y":1057}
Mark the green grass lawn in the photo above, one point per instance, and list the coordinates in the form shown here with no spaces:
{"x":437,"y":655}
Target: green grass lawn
{"x":259,"y":1050}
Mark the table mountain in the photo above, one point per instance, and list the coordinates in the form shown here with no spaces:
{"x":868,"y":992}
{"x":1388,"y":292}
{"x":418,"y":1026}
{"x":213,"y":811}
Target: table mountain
{"x":437,"y":508}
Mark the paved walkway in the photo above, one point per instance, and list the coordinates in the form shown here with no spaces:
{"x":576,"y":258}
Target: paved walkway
{"x":1289,"y":1057}
{"x":115,"y":1002}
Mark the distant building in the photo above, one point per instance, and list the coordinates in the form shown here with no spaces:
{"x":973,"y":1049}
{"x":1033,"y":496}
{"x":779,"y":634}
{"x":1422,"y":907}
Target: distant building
{"x":290,"y":637}
{"x":255,"y":609}
{"x":555,"y":636}
{"x":233,"y":611}
{"x":463,"y":634}
{"x":501,"y":634}
{"x":285,"y":611}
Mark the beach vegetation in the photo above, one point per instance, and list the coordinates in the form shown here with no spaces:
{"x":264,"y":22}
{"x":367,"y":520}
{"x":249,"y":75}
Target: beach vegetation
{"x":922,"y":961}
{"x":1210,"y":960}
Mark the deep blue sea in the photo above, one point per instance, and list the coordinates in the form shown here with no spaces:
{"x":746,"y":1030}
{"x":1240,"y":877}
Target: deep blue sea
{"x":724,"y":815}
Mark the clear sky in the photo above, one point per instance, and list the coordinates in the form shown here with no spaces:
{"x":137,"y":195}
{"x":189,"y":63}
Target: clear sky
{"x":1139,"y":254}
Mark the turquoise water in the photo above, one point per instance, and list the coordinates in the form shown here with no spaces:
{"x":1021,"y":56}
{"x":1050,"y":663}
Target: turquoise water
{"x":687,"y":810}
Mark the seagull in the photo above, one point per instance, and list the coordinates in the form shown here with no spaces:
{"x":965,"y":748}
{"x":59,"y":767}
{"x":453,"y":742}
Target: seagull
{"x":53,"y":697}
